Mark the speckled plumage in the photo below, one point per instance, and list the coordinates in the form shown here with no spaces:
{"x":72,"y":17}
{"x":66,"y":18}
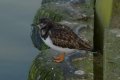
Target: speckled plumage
{"x":62,"y":36}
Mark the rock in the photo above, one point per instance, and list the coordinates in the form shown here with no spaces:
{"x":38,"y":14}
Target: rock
{"x":92,"y":74}
{"x":45,"y":69}
{"x":79,"y":72}
{"x":56,"y":1}
{"x":71,"y":24}
{"x":77,"y":13}
{"x":118,"y":78}
{"x":77,"y":27}
{"x":116,"y":32}
{"x":118,"y":35}
{"x":77,"y":1}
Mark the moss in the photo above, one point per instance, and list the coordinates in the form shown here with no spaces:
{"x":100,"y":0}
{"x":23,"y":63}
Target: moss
{"x":43,"y":68}
{"x":50,"y":12}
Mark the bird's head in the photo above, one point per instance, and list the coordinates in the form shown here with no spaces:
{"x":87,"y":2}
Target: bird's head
{"x":45,"y":23}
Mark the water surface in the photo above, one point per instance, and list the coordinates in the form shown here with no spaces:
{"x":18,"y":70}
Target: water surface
{"x":16,"y":48}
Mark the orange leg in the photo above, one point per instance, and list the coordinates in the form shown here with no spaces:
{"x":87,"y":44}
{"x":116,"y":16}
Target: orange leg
{"x":59,"y":58}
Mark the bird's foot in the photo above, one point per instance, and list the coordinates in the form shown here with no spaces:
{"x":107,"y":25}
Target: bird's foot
{"x":59,"y":58}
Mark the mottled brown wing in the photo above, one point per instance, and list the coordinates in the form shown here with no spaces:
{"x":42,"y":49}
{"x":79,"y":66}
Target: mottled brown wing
{"x":63,"y":36}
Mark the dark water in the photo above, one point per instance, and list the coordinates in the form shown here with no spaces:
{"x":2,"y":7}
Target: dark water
{"x":16,"y":48}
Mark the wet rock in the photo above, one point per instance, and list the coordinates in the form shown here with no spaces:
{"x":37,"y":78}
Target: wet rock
{"x":118,"y":35}
{"x":77,"y":27}
{"x":79,"y":72}
{"x":76,"y":13}
{"x":78,"y":1}
{"x":116,"y":32}
{"x":55,"y":1}
{"x":44,"y":68}
{"x":118,"y":78}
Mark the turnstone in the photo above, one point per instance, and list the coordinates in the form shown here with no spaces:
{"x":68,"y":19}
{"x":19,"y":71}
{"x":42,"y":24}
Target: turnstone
{"x":60,"y":38}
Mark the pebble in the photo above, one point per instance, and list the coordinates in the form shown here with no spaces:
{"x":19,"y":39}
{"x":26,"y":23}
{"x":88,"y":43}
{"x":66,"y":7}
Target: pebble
{"x":118,"y":35}
{"x":79,"y":72}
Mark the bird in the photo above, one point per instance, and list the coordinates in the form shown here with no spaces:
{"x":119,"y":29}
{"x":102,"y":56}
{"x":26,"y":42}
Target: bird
{"x":61,"y":38}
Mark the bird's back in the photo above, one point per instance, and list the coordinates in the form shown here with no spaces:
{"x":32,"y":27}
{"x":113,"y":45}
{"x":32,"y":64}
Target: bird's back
{"x":63,"y":36}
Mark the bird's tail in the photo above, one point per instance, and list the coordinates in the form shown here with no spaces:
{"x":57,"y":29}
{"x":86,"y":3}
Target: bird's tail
{"x":85,"y":45}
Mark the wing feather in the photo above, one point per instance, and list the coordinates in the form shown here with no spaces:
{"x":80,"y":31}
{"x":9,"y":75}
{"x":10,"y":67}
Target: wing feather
{"x":63,"y":36}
